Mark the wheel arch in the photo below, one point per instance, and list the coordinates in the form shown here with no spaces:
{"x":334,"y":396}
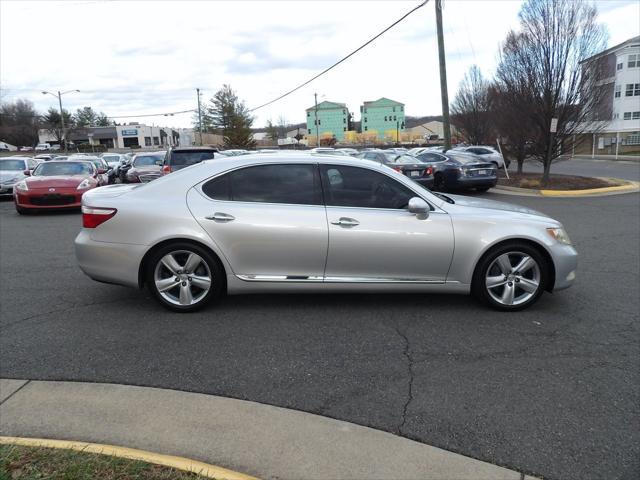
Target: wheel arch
{"x":169,"y":241}
{"x":532,"y":243}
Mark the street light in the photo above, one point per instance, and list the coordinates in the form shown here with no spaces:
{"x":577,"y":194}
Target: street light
{"x":59,"y":96}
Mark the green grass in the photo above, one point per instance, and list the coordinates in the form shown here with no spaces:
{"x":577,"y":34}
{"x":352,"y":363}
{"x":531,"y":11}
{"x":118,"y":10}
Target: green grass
{"x":37,"y":463}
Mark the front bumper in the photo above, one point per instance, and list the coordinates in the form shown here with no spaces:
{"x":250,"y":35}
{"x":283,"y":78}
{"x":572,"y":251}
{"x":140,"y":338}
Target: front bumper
{"x":43,"y":199}
{"x":109,"y":262}
{"x":565,"y":260}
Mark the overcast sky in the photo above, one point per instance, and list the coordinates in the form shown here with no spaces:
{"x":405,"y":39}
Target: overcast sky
{"x":144,"y":57}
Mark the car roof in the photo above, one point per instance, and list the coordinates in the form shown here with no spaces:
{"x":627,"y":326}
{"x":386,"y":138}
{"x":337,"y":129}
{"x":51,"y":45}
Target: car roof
{"x":194,"y":149}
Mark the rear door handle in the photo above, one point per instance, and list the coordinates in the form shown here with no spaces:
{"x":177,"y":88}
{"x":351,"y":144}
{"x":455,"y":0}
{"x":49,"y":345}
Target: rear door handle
{"x":220,"y":217}
{"x":346,"y":222}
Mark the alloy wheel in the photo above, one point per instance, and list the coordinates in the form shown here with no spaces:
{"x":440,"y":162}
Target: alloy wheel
{"x":182,"y":278}
{"x":513,"y":278}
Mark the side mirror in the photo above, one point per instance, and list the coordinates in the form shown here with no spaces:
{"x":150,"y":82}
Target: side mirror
{"x":419,"y":207}
{"x":27,"y":172}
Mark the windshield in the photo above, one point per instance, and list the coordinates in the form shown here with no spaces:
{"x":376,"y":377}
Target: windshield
{"x":146,"y":160}
{"x":390,"y":156}
{"x":404,"y":159}
{"x":63,"y":169}
{"x":12,"y":165}
{"x":427,"y":157}
{"x":190,"y":158}
{"x":111,"y":158}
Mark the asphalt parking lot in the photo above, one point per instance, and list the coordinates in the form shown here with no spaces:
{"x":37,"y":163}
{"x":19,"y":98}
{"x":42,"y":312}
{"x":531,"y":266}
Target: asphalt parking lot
{"x":552,"y":391}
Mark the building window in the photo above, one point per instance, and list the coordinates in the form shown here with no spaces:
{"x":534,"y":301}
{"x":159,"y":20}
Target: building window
{"x":617,"y":91}
{"x":318,"y":121}
{"x":619,"y":66}
{"x":385,"y":118}
{"x":308,"y":114}
{"x":634,"y":61}
{"x":633,"y":140}
{"x":309,"y":131}
{"x":394,"y":117}
{"x":147,"y":141}
{"x":636,"y":115}
{"x":344,"y":120}
{"x":344,"y":129}
{"x":343,"y":112}
{"x":365,"y":119}
{"x":366,"y":128}
{"x":627,"y":115}
{"x":156,"y":141}
{"x":394,"y":109}
{"x":616,"y":116}
{"x":402,"y":109}
{"x":365,"y":110}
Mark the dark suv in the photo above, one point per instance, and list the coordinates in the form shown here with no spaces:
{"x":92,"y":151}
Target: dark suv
{"x":180,"y":157}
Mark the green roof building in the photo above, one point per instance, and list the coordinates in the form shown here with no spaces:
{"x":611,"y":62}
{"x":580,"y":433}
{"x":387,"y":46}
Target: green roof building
{"x":333,"y":119}
{"x":385,"y":117}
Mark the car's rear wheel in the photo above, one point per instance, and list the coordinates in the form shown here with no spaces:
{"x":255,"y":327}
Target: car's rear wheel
{"x":511,"y":277}
{"x":184,"y":277}
{"x":482,"y":189}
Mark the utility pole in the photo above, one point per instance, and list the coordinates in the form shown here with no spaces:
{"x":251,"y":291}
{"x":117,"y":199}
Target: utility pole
{"x":443,"y":79}
{"x":199,"y":116}
{"x":315,"y":96}
{"x":59,"y":95}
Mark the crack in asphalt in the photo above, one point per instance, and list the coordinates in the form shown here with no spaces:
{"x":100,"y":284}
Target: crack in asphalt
{"x":410,"y":362}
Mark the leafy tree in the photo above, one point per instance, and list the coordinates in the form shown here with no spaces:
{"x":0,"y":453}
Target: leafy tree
{"x":51,"y":123}
{"x":232,"y":118}
{"x":102,"y":120}
{"x":471,"y":108}
{"x":19,"y":123}
{"x":272,"y":131}
{"x":85,"y":117}
{"x":544,"y":57}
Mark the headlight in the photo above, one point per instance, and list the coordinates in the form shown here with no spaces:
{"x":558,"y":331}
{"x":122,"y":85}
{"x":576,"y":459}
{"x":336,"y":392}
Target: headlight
{"x":559,"y":235}
{"x":84,"y":184}
{"x":21,"y":186}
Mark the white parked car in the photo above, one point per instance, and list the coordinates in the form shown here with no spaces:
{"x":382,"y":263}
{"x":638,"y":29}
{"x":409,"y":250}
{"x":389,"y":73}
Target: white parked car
{"x":43,"y":147}
{"x":488,"y":154}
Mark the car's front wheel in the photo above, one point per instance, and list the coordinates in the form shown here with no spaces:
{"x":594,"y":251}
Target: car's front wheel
{"x":184,"y":277}
{"x":511,"y":276}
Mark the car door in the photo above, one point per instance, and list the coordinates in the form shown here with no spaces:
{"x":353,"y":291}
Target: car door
{"x":372,"y":235}
{"x":268,"y":220}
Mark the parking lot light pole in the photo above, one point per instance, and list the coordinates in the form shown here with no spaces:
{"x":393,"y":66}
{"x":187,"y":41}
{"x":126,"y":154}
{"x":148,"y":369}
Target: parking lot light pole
{"x":315,"y":96}
{"x":443,"y":79}
{"x":59,"y":95}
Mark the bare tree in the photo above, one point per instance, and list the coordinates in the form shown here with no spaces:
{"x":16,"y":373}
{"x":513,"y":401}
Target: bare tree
{"x":283,"y":126}
{"x":272,"y":131}
{"x":19,"y":123}
{"x":544,"y":58}
{"x":471,"y":107}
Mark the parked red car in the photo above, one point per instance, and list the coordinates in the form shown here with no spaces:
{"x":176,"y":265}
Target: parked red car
{"x":55,"y":184}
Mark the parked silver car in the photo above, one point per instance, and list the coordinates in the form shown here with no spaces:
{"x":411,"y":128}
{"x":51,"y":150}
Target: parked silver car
{"x":303,"y":223}
{"x":488,"y":154}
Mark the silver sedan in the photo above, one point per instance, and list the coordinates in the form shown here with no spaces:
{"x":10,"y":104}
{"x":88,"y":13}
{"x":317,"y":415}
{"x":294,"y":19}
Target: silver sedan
{"x":315,"y":223}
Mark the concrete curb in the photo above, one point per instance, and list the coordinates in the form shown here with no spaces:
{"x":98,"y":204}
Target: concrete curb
{"x":626,"y":186}
{"x":262,"y":440}
{"x":179,"y":463}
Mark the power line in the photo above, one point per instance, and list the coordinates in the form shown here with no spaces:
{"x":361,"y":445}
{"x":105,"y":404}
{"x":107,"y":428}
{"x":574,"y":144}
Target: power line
{"x":152,"y":114}
{"x":342,"y":59}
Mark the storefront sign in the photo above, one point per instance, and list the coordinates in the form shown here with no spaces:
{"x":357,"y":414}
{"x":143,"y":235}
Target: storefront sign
{"x":130,"y":133}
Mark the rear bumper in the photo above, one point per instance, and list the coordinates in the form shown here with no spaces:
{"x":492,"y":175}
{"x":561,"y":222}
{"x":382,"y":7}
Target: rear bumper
{"x":475,"y":182}
{"x":565,"y":260}
{"x":109,"y":262}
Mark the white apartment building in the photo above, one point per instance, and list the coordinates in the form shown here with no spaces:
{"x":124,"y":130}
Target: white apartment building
{"x":618,"y":117}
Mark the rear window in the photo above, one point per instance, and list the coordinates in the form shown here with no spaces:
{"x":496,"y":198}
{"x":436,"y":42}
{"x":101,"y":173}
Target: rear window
{"x":12,"y":165}
{"x":294,"y":184}
{"x":184,"y":158}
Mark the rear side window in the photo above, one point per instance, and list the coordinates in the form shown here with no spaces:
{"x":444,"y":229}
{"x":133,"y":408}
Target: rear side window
{"x":186,"y":158}
{"x":294,"y":184}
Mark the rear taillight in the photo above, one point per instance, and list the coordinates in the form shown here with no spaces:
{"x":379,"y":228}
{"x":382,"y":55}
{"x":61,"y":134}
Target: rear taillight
{"x":92,"y":217}
{"x":398,"y":169}
{"x":166,"y":169}
{"x":428,"y":171}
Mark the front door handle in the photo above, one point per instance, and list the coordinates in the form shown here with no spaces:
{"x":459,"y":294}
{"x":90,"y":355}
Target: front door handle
{"x":221,"y":217}
{"x":346,"y":222}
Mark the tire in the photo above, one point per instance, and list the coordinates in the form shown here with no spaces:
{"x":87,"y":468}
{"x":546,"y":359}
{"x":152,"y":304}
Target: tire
{"x":438,"y":182}
{"x":184,"y":295}
{"x":22,"y":211}
{"x":492,"y":267}
{"x":482,"y":189}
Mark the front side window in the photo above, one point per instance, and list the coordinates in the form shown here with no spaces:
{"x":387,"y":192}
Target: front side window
{"x":346,"y":186}
{"x":293,"y":184}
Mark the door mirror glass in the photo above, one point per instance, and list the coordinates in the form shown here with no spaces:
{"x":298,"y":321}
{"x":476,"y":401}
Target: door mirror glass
{"x":419,"y":207}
